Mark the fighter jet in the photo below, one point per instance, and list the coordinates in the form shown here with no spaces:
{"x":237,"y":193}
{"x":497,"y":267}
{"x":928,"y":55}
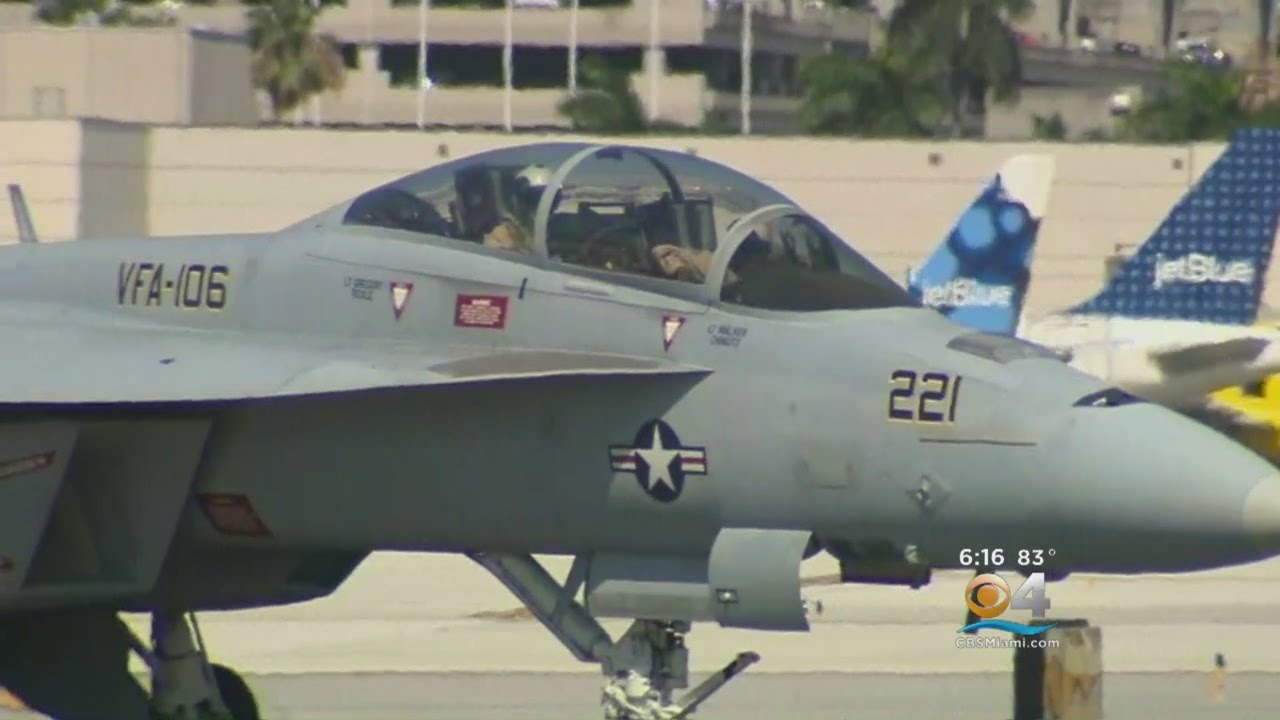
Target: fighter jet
{"x":1175,"y":321}
{"x":638,"y":358}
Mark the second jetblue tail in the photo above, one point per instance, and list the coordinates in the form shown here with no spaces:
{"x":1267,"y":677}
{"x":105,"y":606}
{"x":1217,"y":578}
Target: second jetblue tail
{"x":979,"y":274}
{"x":1208,"y":260}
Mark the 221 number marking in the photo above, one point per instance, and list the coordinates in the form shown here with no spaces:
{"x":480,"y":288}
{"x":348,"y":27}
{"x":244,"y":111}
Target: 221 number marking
{"x":923,"y":397}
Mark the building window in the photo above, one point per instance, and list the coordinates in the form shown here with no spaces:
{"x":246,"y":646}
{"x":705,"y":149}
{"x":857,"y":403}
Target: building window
{"x":48,"y":102}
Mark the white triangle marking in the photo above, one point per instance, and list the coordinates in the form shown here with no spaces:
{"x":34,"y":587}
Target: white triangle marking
{"x":671,"y":325}
{"x":400,"y":296}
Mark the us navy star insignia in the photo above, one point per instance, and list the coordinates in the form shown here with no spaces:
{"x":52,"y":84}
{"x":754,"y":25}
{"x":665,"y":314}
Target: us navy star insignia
{"x":659,"y":461}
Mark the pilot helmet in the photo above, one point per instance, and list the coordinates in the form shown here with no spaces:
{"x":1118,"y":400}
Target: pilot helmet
{"x":529,"y":184}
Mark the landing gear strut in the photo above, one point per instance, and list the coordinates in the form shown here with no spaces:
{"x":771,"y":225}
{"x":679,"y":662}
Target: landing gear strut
{"x":642,"y":668}
{"x":184,"y":685}
{"x":42,"y":653}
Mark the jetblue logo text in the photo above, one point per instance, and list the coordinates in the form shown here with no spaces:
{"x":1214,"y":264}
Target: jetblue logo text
{"x":1197,"y":268}
{"x":964,"y":292}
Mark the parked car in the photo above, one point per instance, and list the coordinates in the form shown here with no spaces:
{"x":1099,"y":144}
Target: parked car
{"x":1127,"y":49}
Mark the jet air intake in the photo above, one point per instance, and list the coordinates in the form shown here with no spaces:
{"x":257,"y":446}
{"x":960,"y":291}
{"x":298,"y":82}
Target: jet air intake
{"x":750,"y":579}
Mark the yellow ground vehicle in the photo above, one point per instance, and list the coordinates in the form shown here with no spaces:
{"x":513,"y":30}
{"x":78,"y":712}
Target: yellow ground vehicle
{"x":1251,"y":414}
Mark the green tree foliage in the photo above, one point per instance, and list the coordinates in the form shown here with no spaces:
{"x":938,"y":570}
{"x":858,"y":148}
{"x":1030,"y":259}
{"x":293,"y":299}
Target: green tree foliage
{"x":290,"y":61}
{"x":1048,"y":127}
{"x":882,"y":96}
{"x":1198,"y":103}
{"x":968,"y":43}
{"x":98,"y":12}
{"x":605,"y":101}
{"x":67,"y":12}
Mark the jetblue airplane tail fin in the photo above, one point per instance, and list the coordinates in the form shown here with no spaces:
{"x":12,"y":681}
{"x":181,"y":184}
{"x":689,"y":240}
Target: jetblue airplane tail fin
{"x":1208,"y":260}
{"x":979,"y":274}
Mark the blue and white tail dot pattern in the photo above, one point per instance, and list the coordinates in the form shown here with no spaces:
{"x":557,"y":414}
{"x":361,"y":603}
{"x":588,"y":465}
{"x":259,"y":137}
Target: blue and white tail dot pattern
{"x":979,"y":275}
{"x":1208,"y":260}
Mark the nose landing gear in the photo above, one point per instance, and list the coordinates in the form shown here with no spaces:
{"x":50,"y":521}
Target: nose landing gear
{"x":184,"y":685}
{"x":642,"y":668}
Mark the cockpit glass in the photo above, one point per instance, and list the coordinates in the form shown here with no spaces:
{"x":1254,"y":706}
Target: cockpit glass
{"x":1110,"y":397}
{"x":489,"y":198}
{"x":634,"y":210}
{"x":795,"y":263}
{"x":642,"y":211}
{"x":649,"y":212}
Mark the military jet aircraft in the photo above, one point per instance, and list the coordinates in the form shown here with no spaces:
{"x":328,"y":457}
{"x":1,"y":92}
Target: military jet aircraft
{"x":635,"y":357}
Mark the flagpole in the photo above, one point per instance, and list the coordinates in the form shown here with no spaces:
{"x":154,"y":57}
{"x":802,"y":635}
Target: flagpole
{"x":315,"y":99}
{"x":745,"y":99}
{"x":653,"y":67}
{"x":506,"y":66}
{"x":423,"y":9}
{"x":368,"y":41}
{"x":573,"y":47}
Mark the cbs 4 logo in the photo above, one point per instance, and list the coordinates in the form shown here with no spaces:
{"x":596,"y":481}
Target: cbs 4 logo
{"x":988,"y":596}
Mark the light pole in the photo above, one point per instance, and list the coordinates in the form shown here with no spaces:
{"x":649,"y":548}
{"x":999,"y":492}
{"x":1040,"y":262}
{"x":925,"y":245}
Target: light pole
{"x":506,"y":66}
{"x":368,"y":40}
{"x":745,"y":100}
{"x":573,"y":47}
{"x":654,"y":68}
{"x":315,"y":99}
{"x":424,"y":7}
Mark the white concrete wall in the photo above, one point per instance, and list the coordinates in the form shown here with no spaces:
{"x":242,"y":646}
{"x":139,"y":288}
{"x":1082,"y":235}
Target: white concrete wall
{"x":885,"y":197}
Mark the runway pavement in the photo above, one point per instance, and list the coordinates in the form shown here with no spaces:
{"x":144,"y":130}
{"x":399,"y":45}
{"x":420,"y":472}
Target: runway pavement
{"x":819,"y":696}
{"x":402,"y":641}
{"x":824,"y":696}
{"x":415,"y":613}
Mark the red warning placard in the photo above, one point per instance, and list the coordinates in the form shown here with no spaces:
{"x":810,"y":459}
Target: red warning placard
{"x":21,"y":466}
{"x":481,"y":311}
{"x":232,"y":515}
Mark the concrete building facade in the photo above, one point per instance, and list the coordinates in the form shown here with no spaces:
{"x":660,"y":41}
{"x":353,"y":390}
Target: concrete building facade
{"x":893,"y":201}
{"x":705,"y":38}
{"x":164,"y":75}
{"x":691,"y":77}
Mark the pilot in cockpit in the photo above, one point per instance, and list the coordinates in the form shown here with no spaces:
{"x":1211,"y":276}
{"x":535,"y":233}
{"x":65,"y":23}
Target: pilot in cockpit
{"x":681,"y":263}
{"x":515,"y":230}
{"x":670,"y":256}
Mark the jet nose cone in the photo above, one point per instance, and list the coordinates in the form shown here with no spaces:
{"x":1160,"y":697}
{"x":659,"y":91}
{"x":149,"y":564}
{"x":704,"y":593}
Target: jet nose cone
{"x":1262,"y":512}
{"x":1174,"y":495}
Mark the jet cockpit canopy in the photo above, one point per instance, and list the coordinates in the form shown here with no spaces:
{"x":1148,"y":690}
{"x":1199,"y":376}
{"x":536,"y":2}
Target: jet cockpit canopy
{"x":635,"y":212}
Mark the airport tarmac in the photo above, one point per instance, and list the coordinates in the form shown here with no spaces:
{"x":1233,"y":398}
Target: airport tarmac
{"x":816,"y":696}
{"x":422,"y":637}
{"x":433,"y":614}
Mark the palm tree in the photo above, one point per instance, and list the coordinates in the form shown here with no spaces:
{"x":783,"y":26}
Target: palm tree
{"x":290,"y":61}
{"x":605,"y":101}
{"x":971,"y":47}
{"x":882,"y":96}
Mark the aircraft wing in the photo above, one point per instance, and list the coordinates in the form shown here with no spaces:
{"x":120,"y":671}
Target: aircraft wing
{"x":82,"y":362}
{"x":1189,"y":358}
